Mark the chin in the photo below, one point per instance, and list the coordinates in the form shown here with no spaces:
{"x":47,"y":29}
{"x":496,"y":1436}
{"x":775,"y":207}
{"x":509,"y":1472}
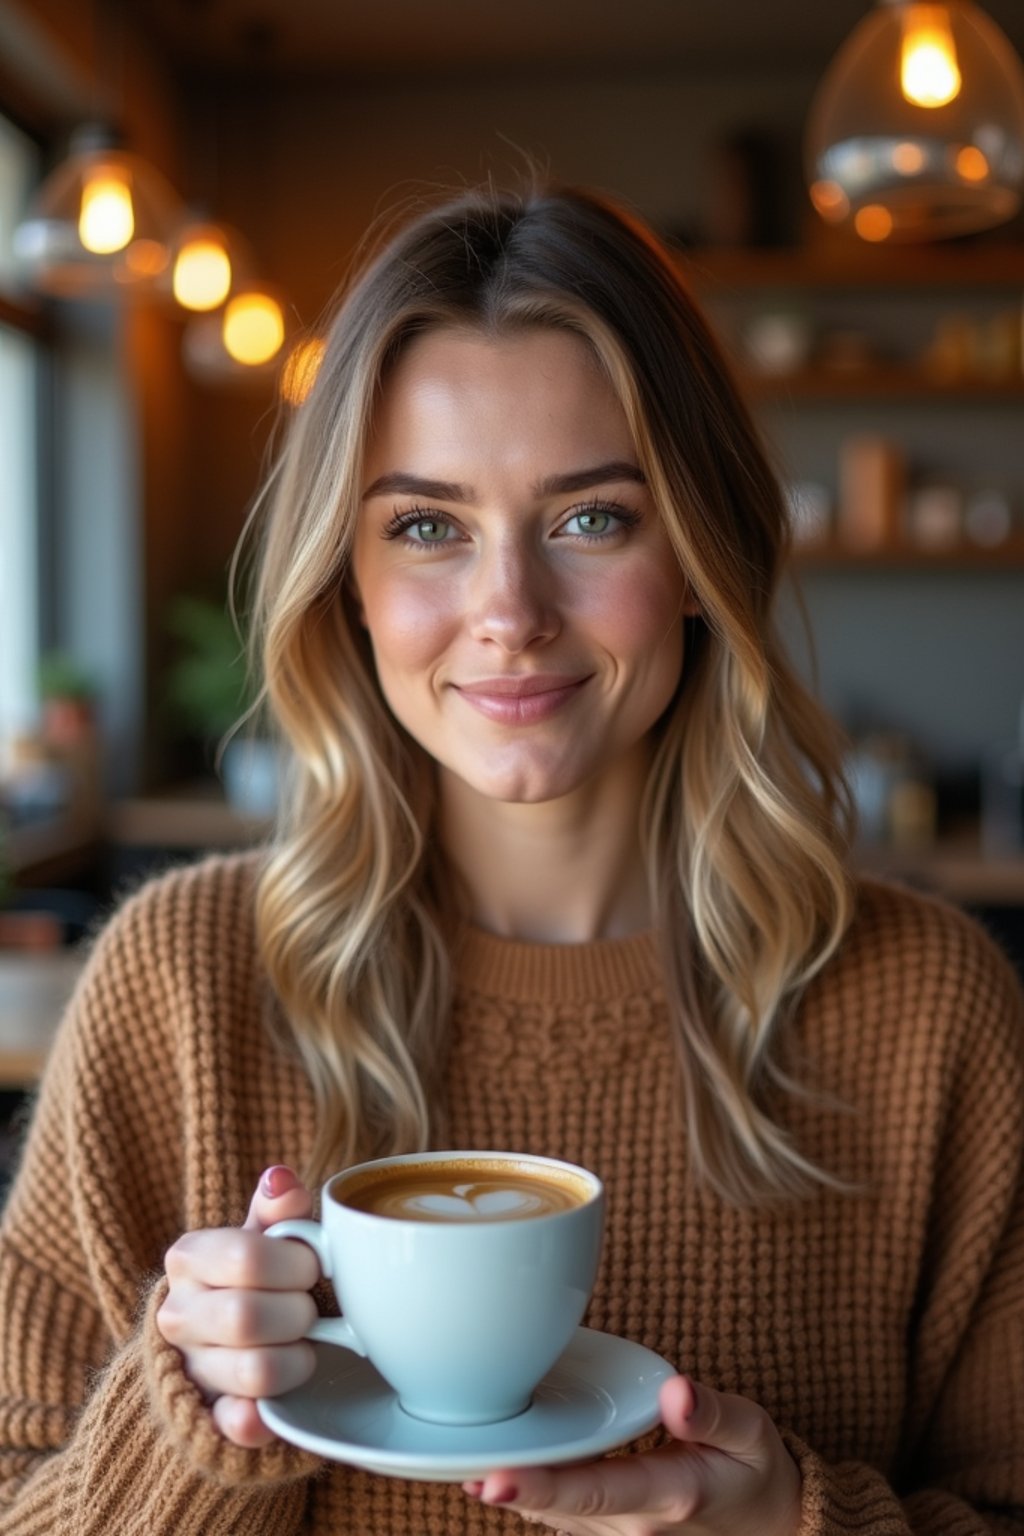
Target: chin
{"x":525,"y":788}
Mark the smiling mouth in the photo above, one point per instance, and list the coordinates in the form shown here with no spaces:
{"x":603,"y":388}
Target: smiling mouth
{"x":521,"y":700}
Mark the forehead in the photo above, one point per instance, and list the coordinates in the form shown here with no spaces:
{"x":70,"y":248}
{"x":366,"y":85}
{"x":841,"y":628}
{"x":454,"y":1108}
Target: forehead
{"x":460,"y":386}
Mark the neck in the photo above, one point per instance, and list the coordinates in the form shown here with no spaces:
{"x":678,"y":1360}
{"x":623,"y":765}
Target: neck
{"x":565,"y":871}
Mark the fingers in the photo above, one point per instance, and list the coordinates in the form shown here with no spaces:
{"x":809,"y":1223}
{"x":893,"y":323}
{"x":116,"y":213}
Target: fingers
{"x":676,"y":1402}
{"x":702,"y":1416}
{"x":668,"y":1485}
{"x":251,"y":1373}
{"x":236,"y":1319}
{"x":279,"y":1196}
{"x":241,"y":1258}
{"x":237,"y":1307}
{"x":659,"y":1486}
{"x":239,"y":1421}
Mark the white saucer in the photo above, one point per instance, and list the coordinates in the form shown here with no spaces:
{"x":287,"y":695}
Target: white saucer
{"x":602,"y":1393}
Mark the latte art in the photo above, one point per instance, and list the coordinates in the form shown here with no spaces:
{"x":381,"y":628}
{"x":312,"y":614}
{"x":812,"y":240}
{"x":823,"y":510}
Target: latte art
{"x":468,"y":1202}
{"x":461,"y":1194}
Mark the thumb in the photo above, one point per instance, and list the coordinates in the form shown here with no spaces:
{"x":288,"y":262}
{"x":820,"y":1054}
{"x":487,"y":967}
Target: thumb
{"x":279,"y":1196}
{"x":702,"y":1416}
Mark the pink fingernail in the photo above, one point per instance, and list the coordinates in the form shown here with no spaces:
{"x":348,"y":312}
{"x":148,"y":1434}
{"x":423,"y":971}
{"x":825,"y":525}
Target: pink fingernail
{"x":507,"y":1495}
{"x":277,"y":1181}
{"x":474,"y":1490}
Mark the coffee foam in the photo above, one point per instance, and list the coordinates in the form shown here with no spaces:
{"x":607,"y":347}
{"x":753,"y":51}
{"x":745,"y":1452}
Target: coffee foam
{"x":464,"y":1191}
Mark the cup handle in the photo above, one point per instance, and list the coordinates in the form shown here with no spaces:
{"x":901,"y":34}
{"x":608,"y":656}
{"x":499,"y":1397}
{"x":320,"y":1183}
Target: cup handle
{"x":329,"y":1330}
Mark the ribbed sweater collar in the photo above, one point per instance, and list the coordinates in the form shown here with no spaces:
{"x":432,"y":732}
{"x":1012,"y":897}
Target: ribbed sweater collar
{"x":490,"y":966}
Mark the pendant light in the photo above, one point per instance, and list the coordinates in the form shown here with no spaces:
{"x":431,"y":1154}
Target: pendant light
{"x":243,"y":342}
{"x":101,"y":224}
{"x":253,"y":326}
{"x":208,"y":260}
{"x":202,"y":268}
{"x":917,"y":128}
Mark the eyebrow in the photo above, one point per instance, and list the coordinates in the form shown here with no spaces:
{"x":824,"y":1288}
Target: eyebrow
{"x":403,"y":484}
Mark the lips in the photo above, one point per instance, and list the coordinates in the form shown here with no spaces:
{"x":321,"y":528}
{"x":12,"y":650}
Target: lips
{"x":521,"y":700}
{"x":519,"y":687}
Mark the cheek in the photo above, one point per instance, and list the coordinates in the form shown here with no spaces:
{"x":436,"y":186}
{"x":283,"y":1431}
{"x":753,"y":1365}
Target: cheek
{"x":639,"y":609}
{"x":408,"y":620}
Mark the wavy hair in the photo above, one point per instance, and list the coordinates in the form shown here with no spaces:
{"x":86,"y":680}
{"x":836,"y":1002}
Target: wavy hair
{"x":746,"y":818}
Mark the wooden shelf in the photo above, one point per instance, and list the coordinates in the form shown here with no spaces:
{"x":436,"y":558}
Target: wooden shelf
{"x":188,"y":817}
{"x":831,"y":554}
{"x":34,"y":990}
{"x":957,"y":869}
{"x":934,"y":267}
{"x":823,"y":385}
{"x":59,"y":840}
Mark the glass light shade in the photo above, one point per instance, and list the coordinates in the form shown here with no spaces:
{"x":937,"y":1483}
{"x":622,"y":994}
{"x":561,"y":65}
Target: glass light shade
{"x":917,"y":128}
{"x":100,"y":224}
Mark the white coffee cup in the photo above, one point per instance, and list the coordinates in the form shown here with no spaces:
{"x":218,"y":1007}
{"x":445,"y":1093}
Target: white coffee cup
{"x":465,"y":1293}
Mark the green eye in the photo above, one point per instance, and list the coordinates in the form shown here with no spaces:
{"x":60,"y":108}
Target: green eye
{"x":430,"y":531}
{"x":592,"y":522}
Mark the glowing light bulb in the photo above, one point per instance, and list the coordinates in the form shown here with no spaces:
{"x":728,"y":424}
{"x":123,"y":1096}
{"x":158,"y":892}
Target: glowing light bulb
{"x":873,"y":222}
{"x":301,"y":369}
{"x":202,"y":274}
{"x":145,"y":258}
{"x":253,"y":328}
{"x":106,"y":222}
{"x":907,"y":159}
{"x":830,"y":200}
{"x":929,"y":72}
{"x":971,"y":164}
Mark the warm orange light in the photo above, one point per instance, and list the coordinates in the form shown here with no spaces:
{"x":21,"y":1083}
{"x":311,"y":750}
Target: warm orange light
{"x":971,"y":164}
{"x":873,"y":222}
{"x":253,"y":328}
{"x":146,"y":258}
{"x":202,"y":274}
{"x":301,"y":369}
{"x":106,"y":221}
{"x":907,"y":159}
{"x":929,"y":72}
{"x":830,"y":200}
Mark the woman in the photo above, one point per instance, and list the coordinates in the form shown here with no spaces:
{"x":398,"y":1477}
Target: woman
{"x":561,"y":868}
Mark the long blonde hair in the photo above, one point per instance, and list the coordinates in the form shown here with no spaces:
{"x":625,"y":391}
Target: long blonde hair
{"x":746,"y":817}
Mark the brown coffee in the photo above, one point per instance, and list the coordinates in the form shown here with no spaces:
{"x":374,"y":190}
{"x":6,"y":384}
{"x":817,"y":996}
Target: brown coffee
{"x":464,"y":1191}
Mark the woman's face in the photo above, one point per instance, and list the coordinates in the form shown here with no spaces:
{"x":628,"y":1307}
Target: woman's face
{"x":523,"y":602}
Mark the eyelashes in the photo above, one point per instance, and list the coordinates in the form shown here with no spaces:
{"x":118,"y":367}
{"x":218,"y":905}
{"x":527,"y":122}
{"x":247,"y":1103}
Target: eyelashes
{"x":621,"y":519}
{"x":414,"y":517}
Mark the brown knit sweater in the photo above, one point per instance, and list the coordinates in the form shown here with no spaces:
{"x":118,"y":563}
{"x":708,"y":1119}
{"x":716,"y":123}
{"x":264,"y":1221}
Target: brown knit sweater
{"x":883,"y":1332}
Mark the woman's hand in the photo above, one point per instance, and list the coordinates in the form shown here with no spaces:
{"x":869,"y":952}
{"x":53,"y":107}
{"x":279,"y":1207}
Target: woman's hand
{"x":238,"y":1306}
{"x":727,"y":1474}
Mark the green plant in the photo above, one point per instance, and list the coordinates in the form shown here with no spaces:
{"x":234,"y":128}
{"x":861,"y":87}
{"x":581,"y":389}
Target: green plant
{"x":207,"y":685}
{"x":60,"y":676}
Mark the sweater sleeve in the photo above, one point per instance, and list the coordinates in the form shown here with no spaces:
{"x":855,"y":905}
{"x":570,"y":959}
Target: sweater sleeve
{"x":968,"y":1476}
{"x":100,"y":1429}
{"x":961,"y":1470}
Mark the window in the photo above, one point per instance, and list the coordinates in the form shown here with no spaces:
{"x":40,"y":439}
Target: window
{"x":21,"y":352}
{"x":19,"y":579}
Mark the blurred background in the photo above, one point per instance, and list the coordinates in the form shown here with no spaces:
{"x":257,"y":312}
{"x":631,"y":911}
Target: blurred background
{"x":887,"y":376}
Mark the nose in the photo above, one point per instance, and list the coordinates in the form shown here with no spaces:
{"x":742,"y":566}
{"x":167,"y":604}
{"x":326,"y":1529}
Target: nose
{"x":513,"y":602}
